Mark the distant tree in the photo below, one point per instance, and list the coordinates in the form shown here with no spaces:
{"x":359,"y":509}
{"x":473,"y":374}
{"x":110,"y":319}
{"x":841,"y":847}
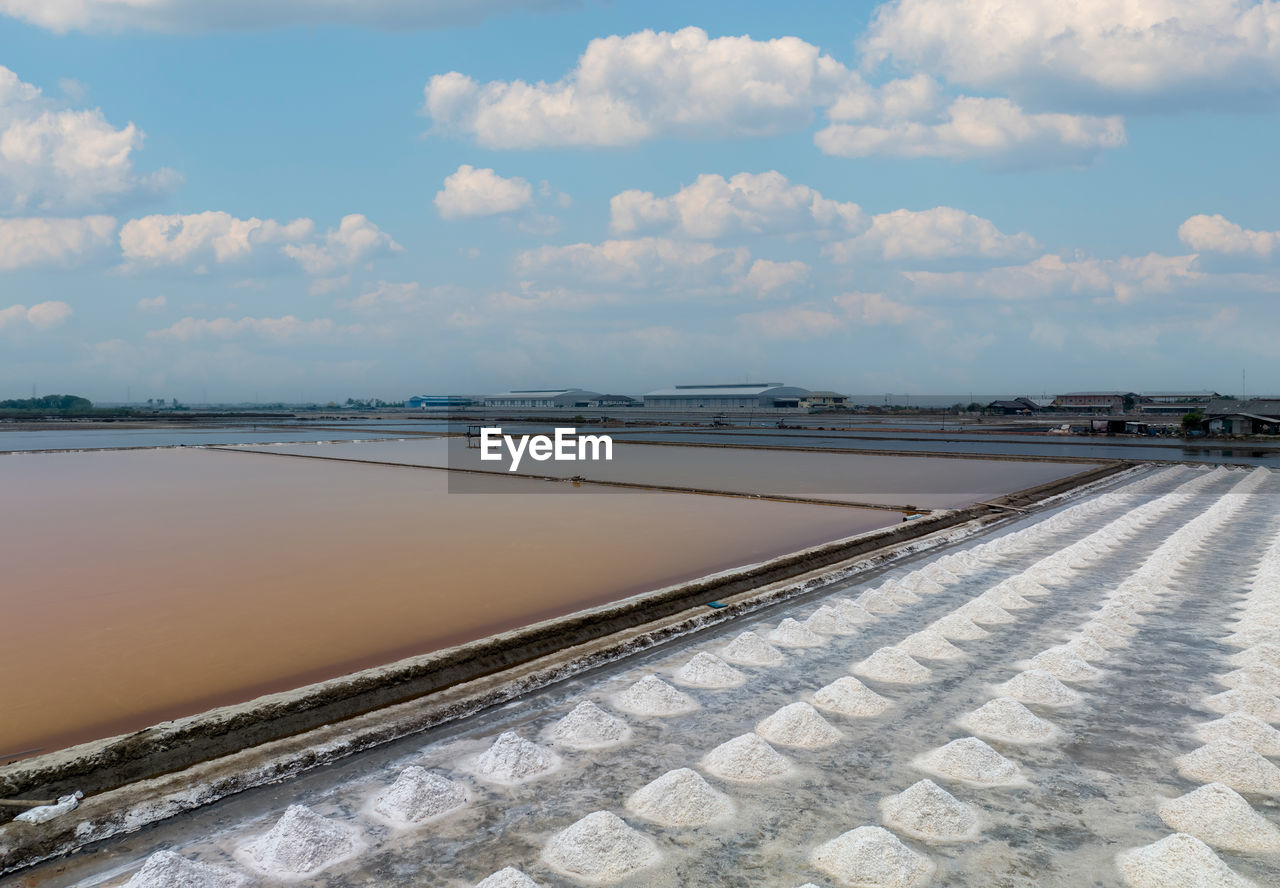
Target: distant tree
{"x":1129,"y":403}
{"x":1192,"y":420}
{"x":65,"y":403}
{"x":974,"y":407}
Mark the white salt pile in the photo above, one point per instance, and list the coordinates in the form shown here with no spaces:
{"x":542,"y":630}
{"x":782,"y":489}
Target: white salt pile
{"x":899,"y":591}
{"x":798,"y":725}
{"x":653,"y":696}
{"x":969,"y":760}
{"x":958,"y":627}
{"x":1253,"y":702}
{"x":1007,"y":720}
{"x":1218,"y":815}
{"x":790,"y":633}
{"x":418,"y":797}
{"x":301,"y":843}
{"x":853,"y":612}
{"x":510,"y":877}
{"x":1259,"y":677}
{"x":826,"y":620}
{"x":930,"y":645}
{"x":1242,"y":728}
{"x":511,"y":760}
{"x":1087,"y":648}
{"x":745,"y":759}
{"x":165,"y":869}
{"x":1259,"y":655}
{"x":1026,"y":586}
{"x":1235,"y":764}
{"x":1065,"y":664}
{"x":985,"y":612}
{"x":872,"y":856}
{"x":1102,"y":635}
{"x":680,"y":798}
{"x":590,"y":727}
{"x":928,"y":812}
{"x":1115,"y":623}
{"x":749,"y":649}
{"x":1038,"y":687}
{"x":709,"y":671}
{"x":848,"y":696}
{"x":926,"y":586}
{"x":876,"y":602}
{"x":600,"y":847}
{"x":892,"y":666}
{"x":938,"y":572}
{"x":1180,"y":860}
{"x":1005,"y":598}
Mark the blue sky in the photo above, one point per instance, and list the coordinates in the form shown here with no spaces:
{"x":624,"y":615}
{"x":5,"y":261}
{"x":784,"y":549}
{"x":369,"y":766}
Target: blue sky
{"x":320,"y":200}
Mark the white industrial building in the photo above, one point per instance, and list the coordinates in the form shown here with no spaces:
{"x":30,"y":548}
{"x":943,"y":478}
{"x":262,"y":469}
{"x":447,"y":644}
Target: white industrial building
{"x":544,"y":398}
{"x":734,"y":396}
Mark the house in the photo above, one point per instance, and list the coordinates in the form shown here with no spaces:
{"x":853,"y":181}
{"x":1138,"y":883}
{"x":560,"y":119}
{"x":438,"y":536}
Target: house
{"x":1256,"y":416}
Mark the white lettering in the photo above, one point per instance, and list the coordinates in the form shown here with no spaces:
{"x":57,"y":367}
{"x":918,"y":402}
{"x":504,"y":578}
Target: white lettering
{"x":517,"y":453}
{"x":566,"y":446}
{"x":595,"y":442}
{"x":541,"y":448}
{"x":491,"y":443}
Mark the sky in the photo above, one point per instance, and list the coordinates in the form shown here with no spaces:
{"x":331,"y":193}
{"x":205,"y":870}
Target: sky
{"x":297,"y":200}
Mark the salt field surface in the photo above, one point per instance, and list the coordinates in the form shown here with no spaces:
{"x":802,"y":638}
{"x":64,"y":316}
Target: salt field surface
{"x":1099,"y":801}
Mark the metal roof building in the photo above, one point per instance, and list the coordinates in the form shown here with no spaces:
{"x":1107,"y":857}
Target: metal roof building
{"x":544,"y":398}
{"x":730,"y":396}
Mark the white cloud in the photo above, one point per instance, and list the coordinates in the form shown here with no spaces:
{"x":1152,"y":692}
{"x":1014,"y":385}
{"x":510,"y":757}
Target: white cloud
{"x":153,"y":304}
{"x":874,"y":309}
{"x":642,"y":263}
{"x":282,"y":330}
{"x":481,"y":192}
{"x":42,"y":315}
{"x":942,"y":232}
{"x":767,"y":276}
{"x":1216,"y":234}
{"x":31,"y":241}
{"x":355,"y":240}
{"x":815,"y":320}
{"x":1124,"y":279}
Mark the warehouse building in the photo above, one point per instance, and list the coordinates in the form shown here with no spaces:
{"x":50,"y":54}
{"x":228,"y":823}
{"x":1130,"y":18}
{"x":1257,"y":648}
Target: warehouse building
{"x":733,"y":396}
{"x":544,"y":398}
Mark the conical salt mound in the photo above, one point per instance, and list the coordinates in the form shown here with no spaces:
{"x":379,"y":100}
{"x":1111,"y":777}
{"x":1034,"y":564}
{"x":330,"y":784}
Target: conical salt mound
{"x":653,"y":696}
{"x":418,"y":796}
{"x":510,"y":877}
{"x":1007,"y":720}
{"x":853,"y":612}
{"x":1242,"y":728}
{"x":893,"y":666}
{"x":929,"y":645}
{"x":1253,"y":702}
{"x":873,"y":857}
{"x":1038,"y":688}
{"x":1258,"y":677}
{"x":1065,"y":664}
{"x":1259,"y":655}
{"x":958,"y":627}
{"x":876,"y":602}
{"x":848,"y":696}
{"x":680,"y":798}
{"x":749,"y":649}
{"x":1115,"y":623}
{"x":1236,"y":765}
{"x":164,"y":869}
{"x":791,"y":633}
{"x":1178,"y":860}
{"x":1102,"y":635}
{"x":798,"y":725}
{"x":1026,"y":587}
{"x":826,"y":620}
{"x":1087,"y":648}
{"x":745,"y":759}
{"x":1005,"y":598}
{"x":928,"y":812}
{"x":900,"y":591}
{"x":590,"y":727}
{"x":925,"y":586}
{"x":600,"y":847}
{"x":971,"y":761}
{"x":709,"y":671}
{"x":1218,"y":815}
{"x":512,"y":759}
{"x":985,"y":612}
{"x":301,"y":843}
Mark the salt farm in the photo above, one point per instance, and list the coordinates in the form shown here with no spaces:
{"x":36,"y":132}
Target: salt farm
{"x":1084,"y":693}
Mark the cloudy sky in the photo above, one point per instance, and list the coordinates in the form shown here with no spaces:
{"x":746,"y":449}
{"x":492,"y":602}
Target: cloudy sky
{"x":285,"y":199}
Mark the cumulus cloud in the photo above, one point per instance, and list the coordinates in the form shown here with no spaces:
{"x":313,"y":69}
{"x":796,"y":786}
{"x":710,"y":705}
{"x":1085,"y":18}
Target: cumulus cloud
{"x":153,"y":303}
{"x":942,"y":232}
{"x":481,"y":192}
{"x":642,"y":263}
{"x":1217,"y":234}
{"x":33,"y":241}
{"x":815,"y":320}
{"x":766,"y":276}
{"x":42,"y":315}
{"x":286,"y":329}
{"x":355,"y":240}
{"x":1125,"y":279}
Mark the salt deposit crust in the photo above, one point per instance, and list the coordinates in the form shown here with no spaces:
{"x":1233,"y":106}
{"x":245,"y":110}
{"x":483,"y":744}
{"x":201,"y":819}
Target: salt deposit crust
{"x":588,"y":726}
{"x":680,"y":798}
{"x":600,"y":848}
{"x":848,"y":696}
{"x":930,"y":645}
{"x":1007,"y":720}
{"x":417,"y":796}
{"x":1233,"y":764}
{"x":509,"y":877}
{"x":301,"y":844}
{"x":892,"y":666}
{"x":969,"y":760}
{"x":1218,"y":815}
{"x":653,"y":696}
{"x":747,"y":758}
{"x":1038,"y":688}
{"x":790,"y":633}
{"x":1178,"y":860}
{"x":1242,"y":728}
{"x":800,"y":726}
{"x":165,"y":869}
{"x":709,"y":671}
{"x":512,"y":760}
{"x":874,"y":857}
{"x":927,"y":812}
{"x":749,"y":649}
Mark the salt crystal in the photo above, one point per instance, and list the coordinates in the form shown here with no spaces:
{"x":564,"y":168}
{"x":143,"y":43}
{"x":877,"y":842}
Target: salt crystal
{"x":1259,"y":655}
{"x":1007,"y":720}
{"x":958,"y":627}
{"x":1180,"y":860}
{"x":1242,"y":728}
{"x":1235,"y":764}
{"x":1038,"y":687}
{"x":1247,"y":700}
{"x":985,"y":612}
{"x":853,"y":612}
{"x":798,"y":725}
{"x":1218,"y":815}
{"x":745,"y":759}
{"x":1258,"y":677}
{"x":709,"y":671}
{"x":826,"y":620}
{"x":301,"y":843}
{"x":653,"y":696}
{"x":165,"y":869}
{"x":872,"y":856}
{"x":875,"y":602}
{"x":680,"y":798}
{"x":510,"y":877}
{"x":893,"y":666}
{"x":1064,"y":664}
{"x":600,"y":847}
{"x":930,"y":645}
{"x":588,"y":726}
{"x":848,"y":696}
{"x":417,"y":796}
{"x":511,"y":760}
{"x":928,"y":812}
{"x":971,"y":761}
{"x":749,"y":649}
{"x":794,"y":634}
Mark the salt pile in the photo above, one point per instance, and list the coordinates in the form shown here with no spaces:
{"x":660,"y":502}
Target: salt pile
{"x":1237,"y":765}
{"x":749,"y":649}
{"x":709,"y":671}
{"x":1262,"y":678}
{"x":876,"y":602}
{"x":1088,"y":649}
{"x":590,"y":727}
{"x":1218,"y":815}
{"x":164,"y":869}
{"x":793,"y":634}
{"x":1005,"y":598}
{"x":971,"y":761}
{"x":828,"y":621}
{"x":1178,"y":859}
{"x":301,"y":843}
{"x":853,"y":612}
{"x":653,"y":696}
{"x":928,"y":812}
{"x":1102,"y":635}
{"x":1038,"y":687}
{"x":510,"y":877}
{"x":511,"y":760}
{"x":1259,"y":655}
{"x":1008,"y":720}
{"x":1025,"y":586}
{"x":938,"y":572}
{"x":745,"y":759}
{"x":1064,"y":664}
{"x":874,"y":857}
{"x":680,"y":798}
{"x":985,"y":612}
{"x":600,"y":847}
{"x":418,"y":797}
{"x":899,"y":591}
{"x":1253,"y":702}
{"x":1242,"y":728}
{"x":848,"y":696}
{"x":1115,"y":623}
{"x":926,"y":586}
{"x":798,"y":725}
{"x":929,"y":644}
{"x":958,"y":627}
{"x":893,"y":666}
